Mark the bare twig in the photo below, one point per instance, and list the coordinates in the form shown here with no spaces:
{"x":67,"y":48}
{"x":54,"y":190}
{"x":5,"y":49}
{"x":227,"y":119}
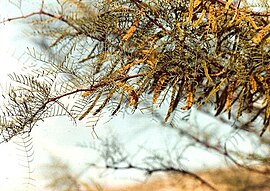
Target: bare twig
{"x":150,"y":171}
{"x":58,"y":17}
{"x":222,"y":152}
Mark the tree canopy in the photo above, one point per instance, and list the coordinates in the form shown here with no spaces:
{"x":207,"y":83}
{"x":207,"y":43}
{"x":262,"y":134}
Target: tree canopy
{"x":115,"y":54}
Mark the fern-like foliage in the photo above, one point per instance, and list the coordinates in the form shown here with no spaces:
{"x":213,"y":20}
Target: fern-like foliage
{"x":111,"y":54}
{"x":24,"y":143}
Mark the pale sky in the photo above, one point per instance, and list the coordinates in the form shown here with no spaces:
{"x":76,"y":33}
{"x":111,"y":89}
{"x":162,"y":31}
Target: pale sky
{"x":10,"y":171}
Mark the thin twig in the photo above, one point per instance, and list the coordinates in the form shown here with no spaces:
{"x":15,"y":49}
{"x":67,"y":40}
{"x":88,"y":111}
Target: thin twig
{"x":166,"y":169}
{"x":58,"y":17}
{"x":220,"y":151}
{"x":150,"y":18}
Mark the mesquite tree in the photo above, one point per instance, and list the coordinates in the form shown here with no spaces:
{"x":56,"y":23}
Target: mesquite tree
{"x":111,"y":55}
{"x":117,"y":52}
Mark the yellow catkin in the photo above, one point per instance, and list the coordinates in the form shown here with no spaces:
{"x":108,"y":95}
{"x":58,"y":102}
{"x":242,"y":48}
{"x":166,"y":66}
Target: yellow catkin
{"x":196,"y":3}
{"x":189,"y":101}
{"x":109,"y":96}
{"x":158,"y":88}
{"x":199,"y":21}
{"x":151,"y":58}
{"x":212,"y":20}
{"x":260,"y":78}
{"x":251,"y":21}
{"x":213,"y":91}
{"x":229,"y":98}
{"x":147,"y":52}
{"x":261,"y":34}
{"x":268,"y":41}
{"x":253,"y":83}
{"x":190,"y":13}
{"x":85,"y":113}
{"x":232,"y":20}
{"x":172,"y":102}
{"x":130,"y":31}
{"x":44,"y":21}
{"x":265,"y":100}
{"x":129,"y":65}
{"x":241,"y":102}
{"x":206,"y":73}
{"x":228,"y":4}
{"x":133,"y":98}
{"x":181,"y":31}
{"x":240,"y":18}
{"x":86,"y":93}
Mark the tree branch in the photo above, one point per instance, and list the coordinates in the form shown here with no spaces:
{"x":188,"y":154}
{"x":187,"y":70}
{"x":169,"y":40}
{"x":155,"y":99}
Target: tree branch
{"x":220,"y":151}
{"x":150,"y":18}
{"x":166,"y":169}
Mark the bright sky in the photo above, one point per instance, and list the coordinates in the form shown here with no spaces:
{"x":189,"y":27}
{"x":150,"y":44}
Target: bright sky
{"x":8,"y":63}
{"x":8,"y":164}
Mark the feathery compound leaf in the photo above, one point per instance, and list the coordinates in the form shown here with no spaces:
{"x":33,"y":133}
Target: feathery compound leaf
{"x":109,"y":96}
{"x":190,"y":12}
{"x":230,"y":96}
{"x":214,"y":91}
{"x":253,"y":83}
{"x":91,"y":106}
{"x":133,"y":98}
{"x":129,"y":65}
{"x":208,"y":77}
{"x":25,"y":147}
{"x":189,"y":97}
{"x":133,"y":27}
{"x":158,"y":88}
{"x":212,"y":20}
{"x":172,"y":101}
{"x":261,"y":34}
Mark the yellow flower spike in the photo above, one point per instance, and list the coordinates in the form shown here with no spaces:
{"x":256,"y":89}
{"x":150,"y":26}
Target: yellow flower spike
{"x":190,"y":14}
{"x":86,"y":93}
{"x":228,"y":4}
{"x":261,"y":34}
{"x":199,"y":21}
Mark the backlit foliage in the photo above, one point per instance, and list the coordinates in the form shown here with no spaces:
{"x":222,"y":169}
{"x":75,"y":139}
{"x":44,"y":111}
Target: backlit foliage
{"x":116,"y":52}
